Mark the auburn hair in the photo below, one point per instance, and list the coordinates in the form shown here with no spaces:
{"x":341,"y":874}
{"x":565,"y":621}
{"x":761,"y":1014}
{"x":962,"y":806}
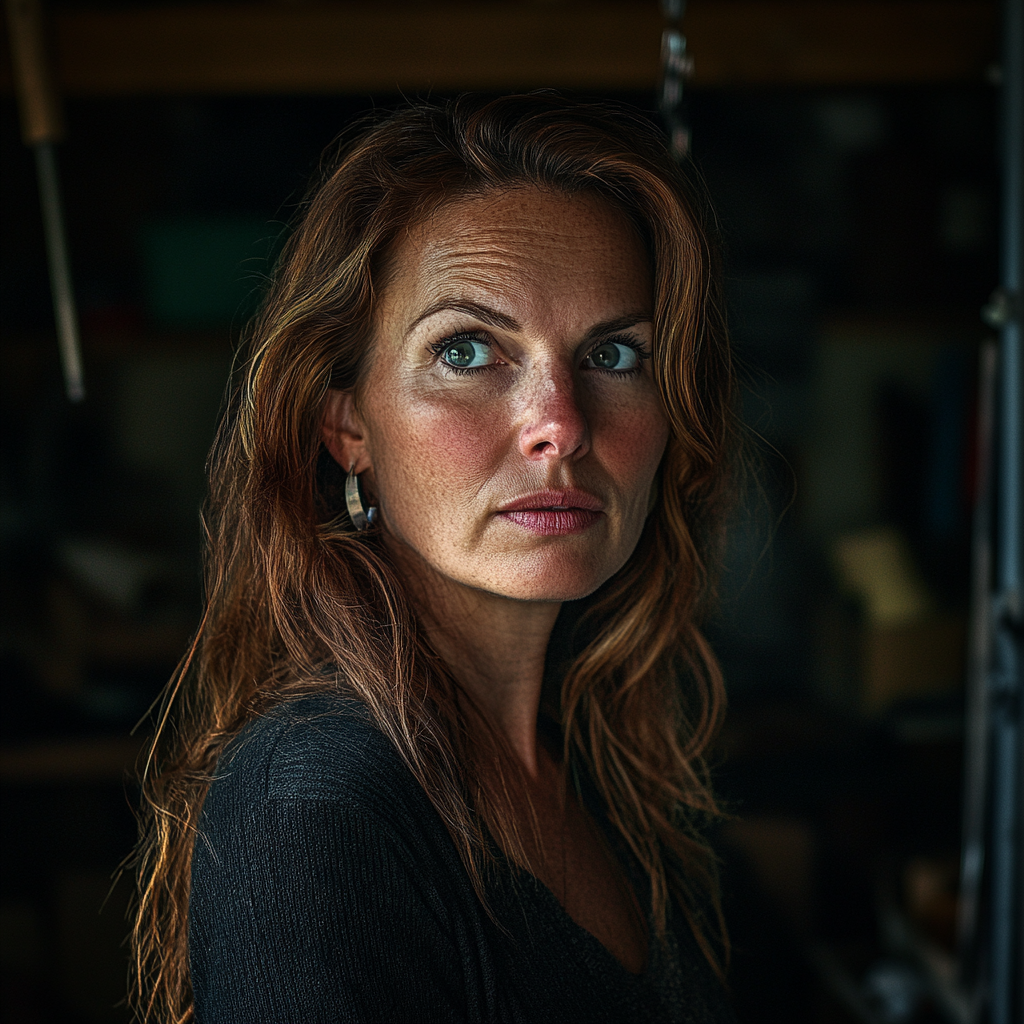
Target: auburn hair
{"x":297,"y":599}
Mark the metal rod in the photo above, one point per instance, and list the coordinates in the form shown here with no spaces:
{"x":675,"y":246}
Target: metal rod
{"x":60,"y":270}
{"x":1007,"y":618}
{"x":977,"y":727}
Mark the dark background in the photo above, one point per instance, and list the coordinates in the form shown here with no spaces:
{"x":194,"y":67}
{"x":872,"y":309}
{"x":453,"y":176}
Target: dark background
{"x":860,"y":230}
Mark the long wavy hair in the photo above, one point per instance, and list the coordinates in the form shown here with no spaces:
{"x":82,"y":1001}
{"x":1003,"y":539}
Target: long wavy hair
{"x":297,"y":599}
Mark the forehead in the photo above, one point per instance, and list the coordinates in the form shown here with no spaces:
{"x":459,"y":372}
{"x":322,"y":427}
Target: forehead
{"x":528,"y":247}
{"x":541,"y":214}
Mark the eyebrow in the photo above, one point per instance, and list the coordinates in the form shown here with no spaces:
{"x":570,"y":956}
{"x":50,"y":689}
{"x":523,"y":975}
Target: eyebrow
{"x":617,"y":324}
{"x":502,"y":321}
{"x":484,"y":314}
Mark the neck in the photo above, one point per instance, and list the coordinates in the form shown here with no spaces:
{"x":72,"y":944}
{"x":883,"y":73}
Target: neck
{"x":494,"y":646}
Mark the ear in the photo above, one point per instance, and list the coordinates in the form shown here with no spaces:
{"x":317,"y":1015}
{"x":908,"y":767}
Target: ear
{"x":343,"y":432}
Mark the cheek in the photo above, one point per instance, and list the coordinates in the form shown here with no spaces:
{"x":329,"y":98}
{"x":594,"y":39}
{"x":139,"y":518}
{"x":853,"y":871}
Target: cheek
{"x":435,"y":451}
{"x":632,"y":443}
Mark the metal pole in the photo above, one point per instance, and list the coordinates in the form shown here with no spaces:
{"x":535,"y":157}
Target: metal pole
{"x":64,"y":312}
{"x":41,"y":126}
{"x":977,"y":726}
{"x":1004,"y":988}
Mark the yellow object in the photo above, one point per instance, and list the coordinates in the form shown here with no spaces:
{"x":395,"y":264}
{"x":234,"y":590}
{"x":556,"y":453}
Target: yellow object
{"x":876,"y":566}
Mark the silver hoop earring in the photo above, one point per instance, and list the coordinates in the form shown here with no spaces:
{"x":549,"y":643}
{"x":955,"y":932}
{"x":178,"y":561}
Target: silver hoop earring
{"x":361,"y":516}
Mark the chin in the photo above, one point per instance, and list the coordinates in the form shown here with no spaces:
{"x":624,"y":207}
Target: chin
{"x":559,"y":579}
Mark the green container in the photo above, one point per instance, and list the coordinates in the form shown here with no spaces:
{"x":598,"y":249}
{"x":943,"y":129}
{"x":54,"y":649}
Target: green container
{"x":203,"y":273}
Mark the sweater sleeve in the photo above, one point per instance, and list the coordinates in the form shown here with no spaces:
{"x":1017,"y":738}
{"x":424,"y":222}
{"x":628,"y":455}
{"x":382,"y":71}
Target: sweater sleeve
{"x":308,"y":910}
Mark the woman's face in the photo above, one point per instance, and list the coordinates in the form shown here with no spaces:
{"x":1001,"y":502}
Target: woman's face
{"x":509,"y":417}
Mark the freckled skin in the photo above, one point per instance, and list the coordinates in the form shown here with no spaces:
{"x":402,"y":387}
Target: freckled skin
{"x":447,"y":451}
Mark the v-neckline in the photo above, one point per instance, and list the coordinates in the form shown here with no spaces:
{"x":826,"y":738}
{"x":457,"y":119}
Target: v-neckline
{"x":588,"y":937}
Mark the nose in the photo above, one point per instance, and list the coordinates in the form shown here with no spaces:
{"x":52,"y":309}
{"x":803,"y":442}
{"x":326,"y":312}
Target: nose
{"x":554,"y":426}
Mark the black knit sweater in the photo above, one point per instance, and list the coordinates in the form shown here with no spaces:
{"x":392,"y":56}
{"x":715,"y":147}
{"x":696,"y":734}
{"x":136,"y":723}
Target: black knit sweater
{"x":325,"y":888}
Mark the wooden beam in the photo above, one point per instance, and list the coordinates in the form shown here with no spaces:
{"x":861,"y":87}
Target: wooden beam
{"x":372,"y":47}
{"x":845,"y":42}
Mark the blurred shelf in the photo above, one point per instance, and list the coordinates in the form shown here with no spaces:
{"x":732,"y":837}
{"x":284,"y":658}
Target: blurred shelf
{"x":926,"y":325}
{"x":29,"y":349}
{"x":105,"y":759}
{"x":360,"y":47}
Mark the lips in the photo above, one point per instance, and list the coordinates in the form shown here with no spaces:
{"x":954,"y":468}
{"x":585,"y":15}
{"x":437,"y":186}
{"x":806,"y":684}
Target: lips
{"x":553,"y":513}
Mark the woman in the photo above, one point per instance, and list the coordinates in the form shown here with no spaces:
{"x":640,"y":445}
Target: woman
{"x":437,"y":753}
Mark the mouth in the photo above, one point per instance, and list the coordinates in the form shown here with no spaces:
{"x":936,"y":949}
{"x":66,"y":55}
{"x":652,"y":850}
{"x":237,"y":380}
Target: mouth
{"x":554,"y":513}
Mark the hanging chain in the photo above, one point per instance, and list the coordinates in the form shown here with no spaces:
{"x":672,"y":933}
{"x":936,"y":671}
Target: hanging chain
{"x":676,"y":67}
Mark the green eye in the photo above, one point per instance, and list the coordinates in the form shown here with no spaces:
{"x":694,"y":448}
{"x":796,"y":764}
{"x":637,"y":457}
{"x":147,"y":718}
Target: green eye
{"x":468,"y":354}
{"x":613,"y":356}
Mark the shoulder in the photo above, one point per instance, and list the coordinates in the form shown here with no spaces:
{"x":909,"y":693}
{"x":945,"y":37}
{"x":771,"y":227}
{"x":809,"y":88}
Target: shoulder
{"x":322,"y":747}
{"x":323,"y":884}
{"x":311,"y":775}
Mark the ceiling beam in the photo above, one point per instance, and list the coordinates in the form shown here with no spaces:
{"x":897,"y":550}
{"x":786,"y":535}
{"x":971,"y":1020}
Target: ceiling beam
{"x":375,"y":47}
